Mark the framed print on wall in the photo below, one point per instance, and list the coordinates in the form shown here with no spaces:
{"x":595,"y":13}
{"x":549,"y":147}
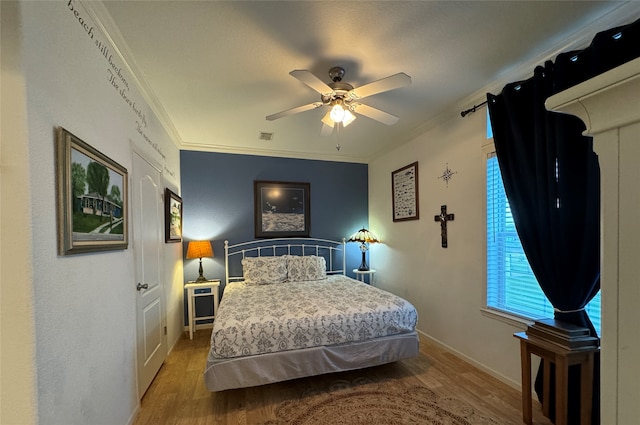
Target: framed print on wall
{"x":404,"y":193}
{"x":91,"y":197}
{"x":281,"y":210}
{"x":172,"y":217}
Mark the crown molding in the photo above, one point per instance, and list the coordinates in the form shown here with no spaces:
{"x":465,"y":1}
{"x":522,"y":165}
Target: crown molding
{"x":272,"y":153}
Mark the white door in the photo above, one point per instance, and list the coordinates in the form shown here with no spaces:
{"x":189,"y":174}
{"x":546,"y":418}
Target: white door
{"x":148,"y":288}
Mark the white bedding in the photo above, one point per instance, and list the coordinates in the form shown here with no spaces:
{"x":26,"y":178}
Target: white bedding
{"x":276,"y":317}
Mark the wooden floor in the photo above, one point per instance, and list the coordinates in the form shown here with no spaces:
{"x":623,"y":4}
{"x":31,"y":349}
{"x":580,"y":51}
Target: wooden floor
{"x":178,"y":394}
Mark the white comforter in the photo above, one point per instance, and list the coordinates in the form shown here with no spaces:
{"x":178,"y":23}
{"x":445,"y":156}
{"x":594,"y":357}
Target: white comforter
{"x":258,"y":319}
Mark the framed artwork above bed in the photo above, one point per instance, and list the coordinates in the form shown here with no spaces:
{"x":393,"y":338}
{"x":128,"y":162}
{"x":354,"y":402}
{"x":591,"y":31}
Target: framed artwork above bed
{"x":281,"y":209}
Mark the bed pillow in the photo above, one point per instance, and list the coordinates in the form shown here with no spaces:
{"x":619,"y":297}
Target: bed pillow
{"x":308,"y":267}
{"x":264,"y":270}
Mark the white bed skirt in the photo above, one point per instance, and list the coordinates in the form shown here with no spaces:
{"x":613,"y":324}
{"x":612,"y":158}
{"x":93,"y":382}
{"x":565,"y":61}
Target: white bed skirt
{"x":241,"y":372}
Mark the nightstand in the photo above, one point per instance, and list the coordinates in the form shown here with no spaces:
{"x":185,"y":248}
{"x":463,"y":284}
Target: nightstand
{"x":562,"y":358}
{"x":360,"y":274}
{"x":191,"y":287}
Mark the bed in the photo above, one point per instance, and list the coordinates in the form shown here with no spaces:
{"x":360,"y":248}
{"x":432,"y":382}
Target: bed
{"x":289,"y":311}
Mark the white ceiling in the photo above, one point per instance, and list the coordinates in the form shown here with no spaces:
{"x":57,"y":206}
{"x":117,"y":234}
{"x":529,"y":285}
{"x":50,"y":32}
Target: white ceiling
{"x":218,"y":68}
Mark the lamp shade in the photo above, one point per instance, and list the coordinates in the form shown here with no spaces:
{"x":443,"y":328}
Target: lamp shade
{"x":199,"y":249}
{"x":363,"y":236}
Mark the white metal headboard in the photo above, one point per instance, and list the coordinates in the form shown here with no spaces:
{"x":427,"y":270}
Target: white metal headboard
{"x":333,"y":251}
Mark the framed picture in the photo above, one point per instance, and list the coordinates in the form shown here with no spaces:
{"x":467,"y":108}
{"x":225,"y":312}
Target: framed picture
{"x":172,"y":217}
{"x":404,"y":193}
{"x":281,"y":209}
{"x":91,"y":197}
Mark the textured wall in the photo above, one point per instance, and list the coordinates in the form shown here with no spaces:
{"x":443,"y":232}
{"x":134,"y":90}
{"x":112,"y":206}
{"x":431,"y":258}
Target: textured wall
{"x":447,"y":285}
{"x":18,"y":403}
{"x":84,"y":305}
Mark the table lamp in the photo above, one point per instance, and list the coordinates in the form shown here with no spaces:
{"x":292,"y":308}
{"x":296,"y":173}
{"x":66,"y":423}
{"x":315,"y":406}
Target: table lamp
{"x":364,"y":237}
{"x":199,"y":249}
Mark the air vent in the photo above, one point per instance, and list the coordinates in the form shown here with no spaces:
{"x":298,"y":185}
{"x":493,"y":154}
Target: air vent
{"x":266,"y":136}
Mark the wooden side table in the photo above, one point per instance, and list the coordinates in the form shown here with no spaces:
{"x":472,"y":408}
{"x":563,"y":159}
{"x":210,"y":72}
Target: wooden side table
{"x":213,"y":286}
{"x":562,"y":358}
{"x":360,"y":274}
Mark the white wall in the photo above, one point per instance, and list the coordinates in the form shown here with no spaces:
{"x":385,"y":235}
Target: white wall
{"x":447,"y":285}
{"x":83,"y":305}
{"x":18,"y":403}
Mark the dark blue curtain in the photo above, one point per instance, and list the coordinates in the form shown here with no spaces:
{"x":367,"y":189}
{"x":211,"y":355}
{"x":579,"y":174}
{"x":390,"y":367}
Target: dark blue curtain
{"x":552,"y":180}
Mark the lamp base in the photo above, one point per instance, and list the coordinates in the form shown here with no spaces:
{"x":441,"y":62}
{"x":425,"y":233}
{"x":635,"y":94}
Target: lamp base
{"x":363,"y":266}
{"x":200,"y":278}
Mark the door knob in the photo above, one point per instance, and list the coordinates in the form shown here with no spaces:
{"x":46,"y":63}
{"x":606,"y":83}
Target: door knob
{"x":142,"y":286}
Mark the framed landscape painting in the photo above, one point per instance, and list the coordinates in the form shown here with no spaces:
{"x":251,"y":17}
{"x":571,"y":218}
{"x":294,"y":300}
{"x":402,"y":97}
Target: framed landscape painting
{"x":91,"y":198}
{"x":281,"y":209}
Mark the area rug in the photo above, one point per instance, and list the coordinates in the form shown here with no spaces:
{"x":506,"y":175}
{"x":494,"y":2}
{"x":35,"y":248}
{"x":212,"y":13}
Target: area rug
{"x":387,"y":402}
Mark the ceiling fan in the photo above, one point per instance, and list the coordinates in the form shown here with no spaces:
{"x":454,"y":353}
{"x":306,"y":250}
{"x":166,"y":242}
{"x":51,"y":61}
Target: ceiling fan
{"x":343,"y":99}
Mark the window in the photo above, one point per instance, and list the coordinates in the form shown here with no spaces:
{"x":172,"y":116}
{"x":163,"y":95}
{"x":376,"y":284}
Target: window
{"x":511,"y":285}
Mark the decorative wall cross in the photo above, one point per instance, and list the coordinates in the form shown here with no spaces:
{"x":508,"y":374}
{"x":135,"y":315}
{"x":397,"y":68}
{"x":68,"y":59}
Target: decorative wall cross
{"x":443,"y":218}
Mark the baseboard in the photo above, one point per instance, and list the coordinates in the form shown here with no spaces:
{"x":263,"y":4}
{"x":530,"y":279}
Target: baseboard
{"x":173,"y":345}
{"x":475,"y":363}
{"x":135,"y":413}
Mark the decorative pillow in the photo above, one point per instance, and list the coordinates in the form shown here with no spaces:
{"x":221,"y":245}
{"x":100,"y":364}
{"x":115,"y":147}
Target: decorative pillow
{"x":308,"y":267}
{"x":264,"y":270}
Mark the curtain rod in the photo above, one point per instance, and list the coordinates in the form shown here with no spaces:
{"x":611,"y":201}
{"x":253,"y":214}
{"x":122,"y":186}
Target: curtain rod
{"x":470,"y":110}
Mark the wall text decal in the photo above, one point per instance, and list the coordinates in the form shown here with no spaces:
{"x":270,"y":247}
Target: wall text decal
{"x":116,"y":75}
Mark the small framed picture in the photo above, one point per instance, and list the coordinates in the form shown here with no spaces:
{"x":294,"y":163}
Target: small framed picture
{"x":404,"y":193}
{"x":172,"y":217}
{"x":91,"y":197}
{"x":281,"y":209}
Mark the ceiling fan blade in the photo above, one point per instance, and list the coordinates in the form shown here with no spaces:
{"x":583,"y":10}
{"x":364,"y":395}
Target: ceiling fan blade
{"x":311,"y":80}
{"x":292,"y":111}
{"x":375,"y":114}
{"x":389,"y":83}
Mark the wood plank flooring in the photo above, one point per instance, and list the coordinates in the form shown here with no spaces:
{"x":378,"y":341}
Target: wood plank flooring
{"x":178,"y":394}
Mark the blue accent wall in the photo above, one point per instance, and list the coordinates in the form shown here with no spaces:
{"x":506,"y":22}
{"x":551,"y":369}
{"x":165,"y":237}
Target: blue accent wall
{"x":217,"y":196}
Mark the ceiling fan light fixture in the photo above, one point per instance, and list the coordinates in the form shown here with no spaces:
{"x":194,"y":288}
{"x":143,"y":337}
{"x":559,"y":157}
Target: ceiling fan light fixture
{"x":337,"y":112}
{"x":348,"y":118}
{"x":327,"y":119}
{"x":342,"y":100}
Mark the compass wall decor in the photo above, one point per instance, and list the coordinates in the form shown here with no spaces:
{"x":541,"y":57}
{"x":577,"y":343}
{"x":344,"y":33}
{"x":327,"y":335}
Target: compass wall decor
{"x":447,"y":174}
